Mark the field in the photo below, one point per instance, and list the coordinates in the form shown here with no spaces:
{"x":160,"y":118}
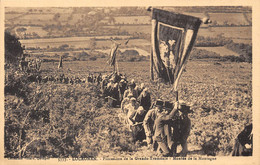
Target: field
{"x":230,"y":18}
{"x":75,"y":42}
{"x":229,"y":32}
{"x":222,"y":51}
{"x":133,"y":20}
{"x":220,"y":98}
{"x":238,"y":33}
{"x":33,"y":29}
{"x":12,"y":16}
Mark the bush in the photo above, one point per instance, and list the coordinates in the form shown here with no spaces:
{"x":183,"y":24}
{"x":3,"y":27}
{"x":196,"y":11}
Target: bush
{"x":130,"y":56}
{"x":63,"y":121}
{"x":212,"y":41}
{"x":16,"y":83}
{"x":233,"y":58}
{"x":244,"y":50}
{"x":93,"y":58}
{"x":13,"y":49}
{"x":202,"y":54}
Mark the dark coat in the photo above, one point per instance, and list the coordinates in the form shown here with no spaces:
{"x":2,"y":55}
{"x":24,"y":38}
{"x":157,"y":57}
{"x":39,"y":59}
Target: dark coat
{"x":243,"y":138}
{"x":145,"y":101}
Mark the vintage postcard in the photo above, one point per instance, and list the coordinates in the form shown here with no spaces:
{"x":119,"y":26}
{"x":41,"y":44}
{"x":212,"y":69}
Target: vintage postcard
{"x":129,"y":82}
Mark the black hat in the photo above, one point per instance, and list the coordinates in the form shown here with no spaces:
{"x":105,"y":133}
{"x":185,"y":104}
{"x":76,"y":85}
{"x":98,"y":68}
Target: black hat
{"x":168,"y":105}
{"x":185,"y":109}
{"x":159,"y":103}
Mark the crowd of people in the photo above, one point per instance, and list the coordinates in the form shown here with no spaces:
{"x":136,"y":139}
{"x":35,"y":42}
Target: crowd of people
{"x":30,"y":65}
{"x":153,"y":123}
{"x":162,"y":125}
{"x":61,"y":78}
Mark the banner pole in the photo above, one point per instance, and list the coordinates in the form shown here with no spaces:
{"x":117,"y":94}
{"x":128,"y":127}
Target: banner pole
{"x":177,"y":96}
{"x":151,"y":53}
{"x":117,"y":67}
{"x":151,"y":65}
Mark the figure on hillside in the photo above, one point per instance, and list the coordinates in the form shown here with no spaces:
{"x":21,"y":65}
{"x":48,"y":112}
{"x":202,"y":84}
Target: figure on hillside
{"x":99,"y":78}
{"x":173,"y":128}
{"x":122,"y":87}
{"x":114,"y":93}
{"x":125,"y":102}
{"x":138,"y":89}
{"x":89,"y":78}
{"x":104,"y":83}
{"x":130,"y":90}
{"x":149,"y":120}
{"x":60,"y":63}
{"x":145,"y":99}
{"x":244,"y":142}
{"x":130,"y":107}
{"x":136,"y":118}
{"x":38,"y":64}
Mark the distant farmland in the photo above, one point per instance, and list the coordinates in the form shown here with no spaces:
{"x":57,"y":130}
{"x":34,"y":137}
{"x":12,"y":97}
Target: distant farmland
{"x":133,"y":20}
{"x":75,"y":42}
{"x":222,"y":51}
{"x":230,"y":18}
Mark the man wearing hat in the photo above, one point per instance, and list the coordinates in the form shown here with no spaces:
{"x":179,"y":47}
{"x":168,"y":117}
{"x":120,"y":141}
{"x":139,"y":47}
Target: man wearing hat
{"x":149,"y":120}
{"x":145,"y":99}
{"x":122,"y":87}
{"x":179,"y":134}
{"x":168,"y":107}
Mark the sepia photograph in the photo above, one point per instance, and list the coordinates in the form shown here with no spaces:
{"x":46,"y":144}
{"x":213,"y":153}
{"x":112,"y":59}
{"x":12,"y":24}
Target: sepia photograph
{"x":128,"y":83}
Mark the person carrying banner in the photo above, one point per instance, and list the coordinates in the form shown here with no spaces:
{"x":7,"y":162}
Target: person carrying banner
{"x":172,"y":129}
{"x":160,"y":135}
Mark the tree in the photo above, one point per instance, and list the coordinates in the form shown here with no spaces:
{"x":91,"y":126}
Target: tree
{"x":13,"y":49}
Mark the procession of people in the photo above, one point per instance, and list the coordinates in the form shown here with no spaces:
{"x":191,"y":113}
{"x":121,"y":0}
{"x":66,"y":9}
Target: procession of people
{"x":162,"y":125}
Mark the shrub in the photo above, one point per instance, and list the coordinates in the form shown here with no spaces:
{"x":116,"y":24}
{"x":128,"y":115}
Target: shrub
{"x":93,"y":58}
{"x":212,"y":41}
{"x":202,"y":54}
{"x":13,"y":49}
{"x":63,"y":121}
{"x":244,"y":50}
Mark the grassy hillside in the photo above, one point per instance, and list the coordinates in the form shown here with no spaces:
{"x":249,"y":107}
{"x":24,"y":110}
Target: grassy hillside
{"x":80,"y":124}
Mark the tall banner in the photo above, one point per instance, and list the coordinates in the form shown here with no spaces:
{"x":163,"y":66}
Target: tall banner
{"x":173,"y":36}
{"x":112,"y":59}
